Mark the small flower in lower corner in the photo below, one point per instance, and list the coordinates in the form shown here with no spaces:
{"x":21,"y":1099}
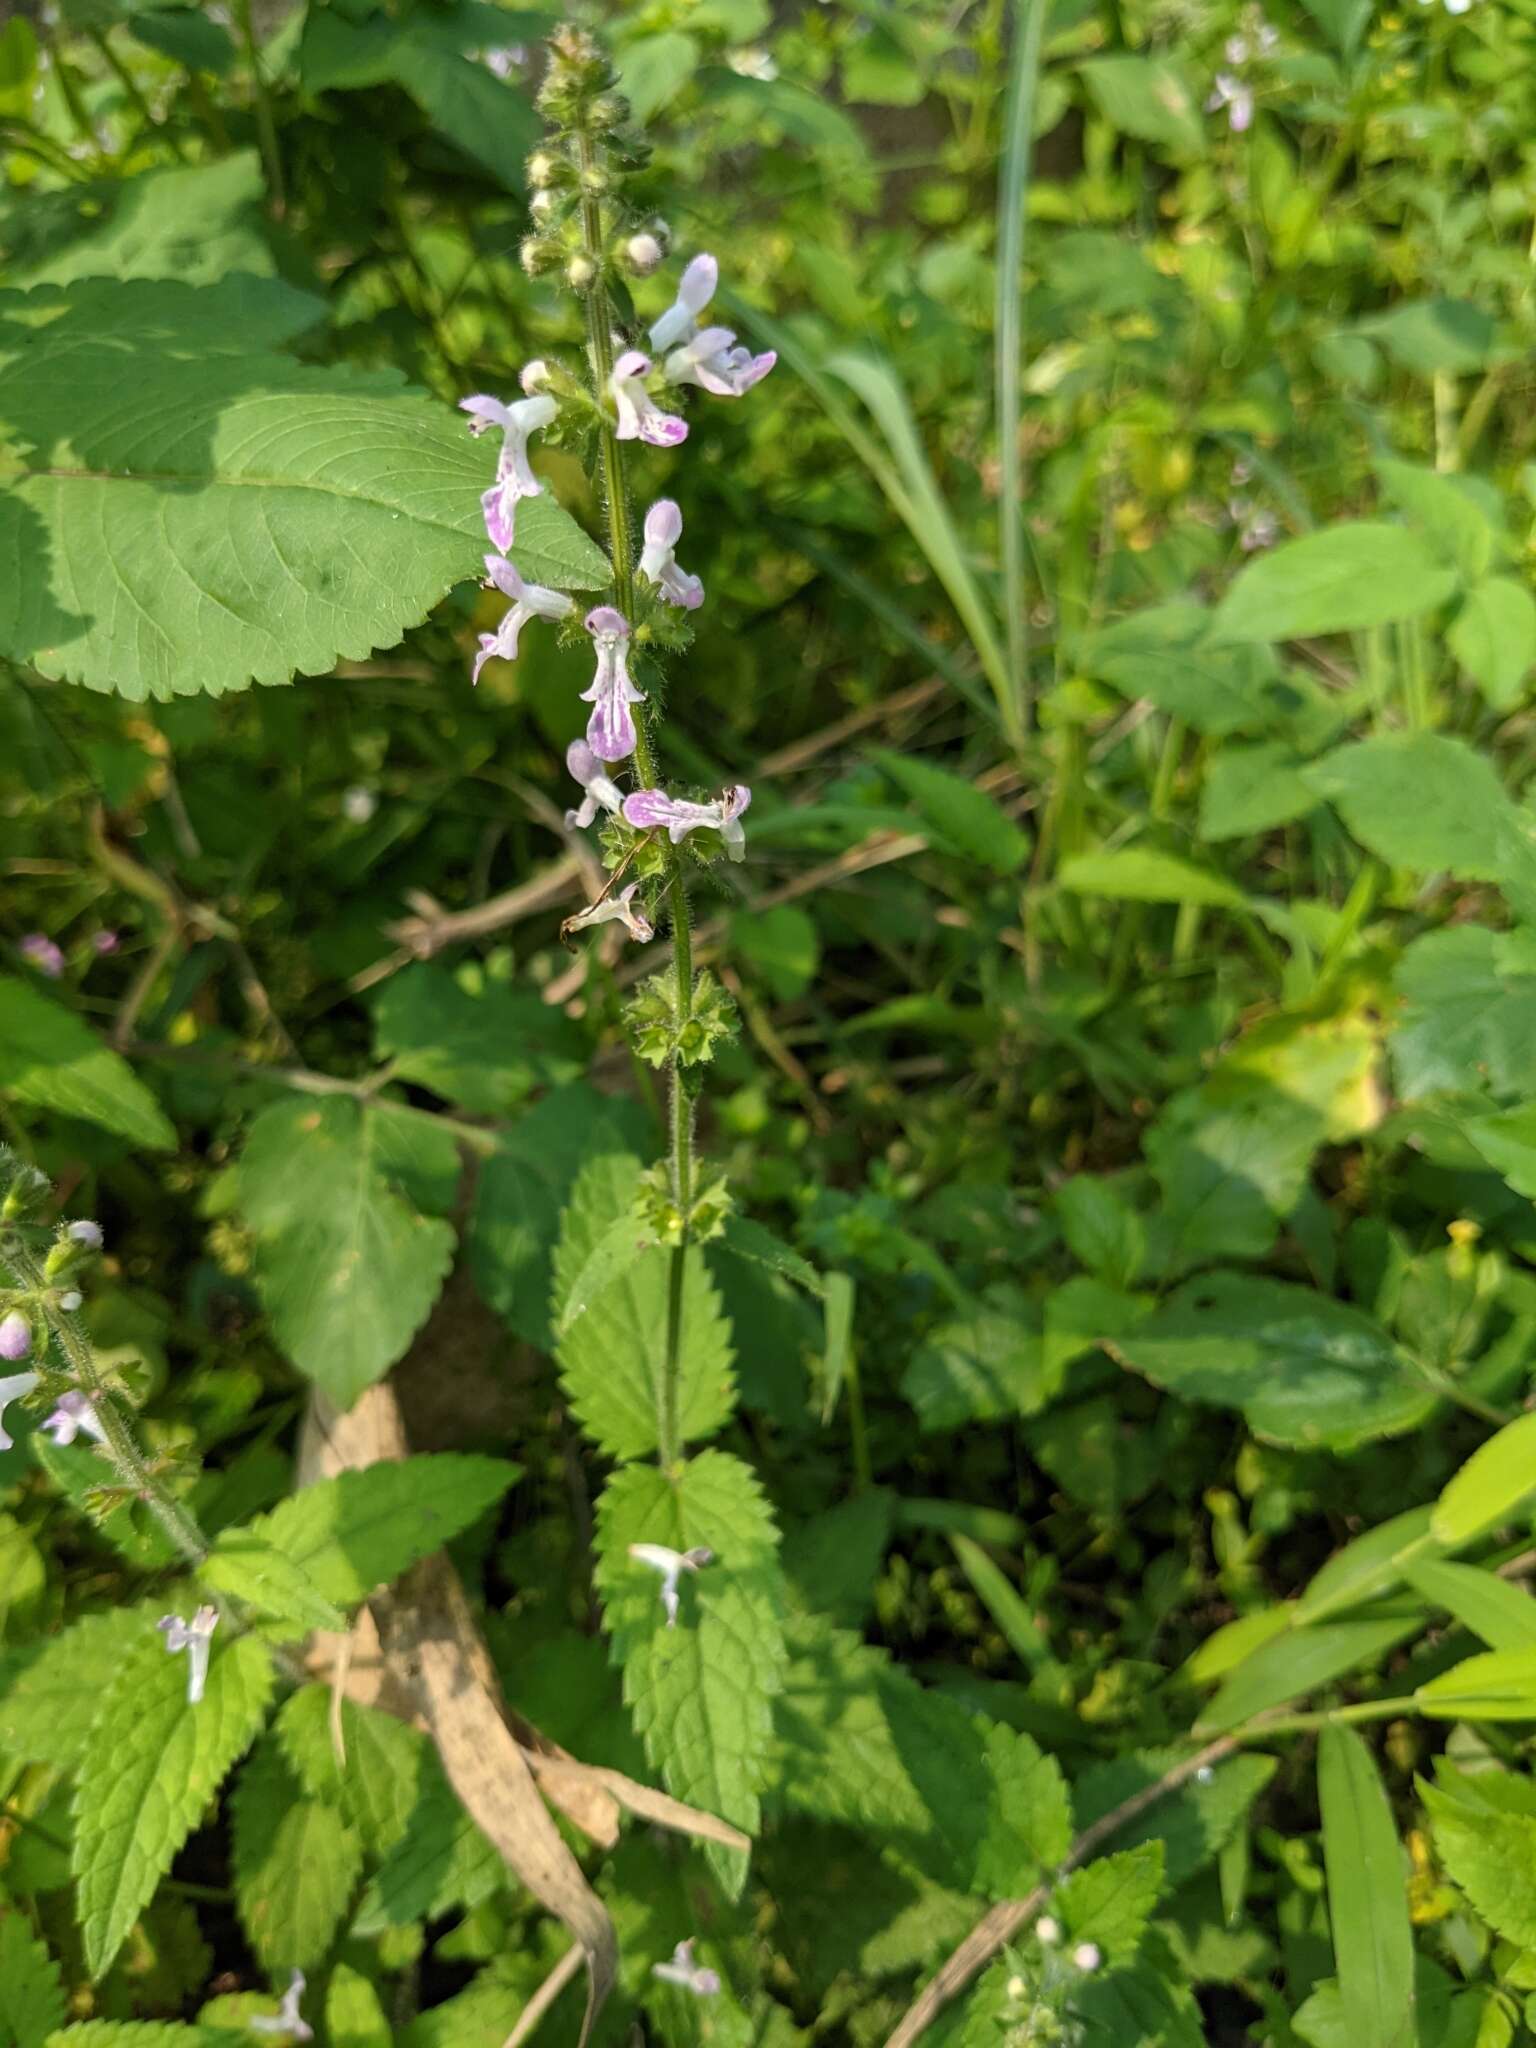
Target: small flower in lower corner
{"x":621,"y":908}
{"x":652,"y":809}
{"x":671,"y":1564}
{"x":287,"y":2019}
{"x":192,"y":1636}
{"x":14,"y":1388}
{"x":714,"y":361}
{"x":599,"y":793}
{"x":529,"y":601}
{"x":74,"y":1413}
{"x":640,"y":417}
{"x":695,"y":1977}
{"x":39,"y":951}
{"x":610,"y":729}
{"x":658,"y":562}
{"x":514,"y":475}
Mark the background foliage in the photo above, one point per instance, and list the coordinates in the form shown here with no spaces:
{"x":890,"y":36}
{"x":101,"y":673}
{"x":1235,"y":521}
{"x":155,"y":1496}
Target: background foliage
{"x":1146,"y":1086}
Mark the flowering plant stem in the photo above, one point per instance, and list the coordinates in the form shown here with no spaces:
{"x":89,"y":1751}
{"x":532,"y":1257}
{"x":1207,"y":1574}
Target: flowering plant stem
{"x":620,"y":526}
{"x":117,"y":1438}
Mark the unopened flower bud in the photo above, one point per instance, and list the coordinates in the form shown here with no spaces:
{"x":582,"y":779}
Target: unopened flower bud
{"x":542,"y":205}
{"x":534,"y":376}
{"x":642,"y":253}
{"x":596,"y":180}
{"x":606,"y":111}
{"x":542,"y":167}
{"x":580,"y":271}
{"x":87,"y":1233}
{"x":538,"y":255}
{"x":70,"y":1301}
{"x":15,"y":1336}
{"x":1086,"y":1955}
{"x":1048,"y":1930}
{"x":27,"y":1189}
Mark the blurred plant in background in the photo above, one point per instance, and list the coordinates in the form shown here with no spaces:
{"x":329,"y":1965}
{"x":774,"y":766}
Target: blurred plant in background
{"x":1118,"y":605}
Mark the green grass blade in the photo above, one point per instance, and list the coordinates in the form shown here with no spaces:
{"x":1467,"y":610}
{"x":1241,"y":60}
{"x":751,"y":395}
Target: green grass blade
{"x":1012,"y":222}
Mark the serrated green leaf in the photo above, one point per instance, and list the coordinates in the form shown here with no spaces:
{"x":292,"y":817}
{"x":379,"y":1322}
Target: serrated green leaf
{"x":1367,"y":1893}
{"x":1498,"y":1478}
{"x":1356,"y":574}
{"x":486,"y":1051}
{"x":50,"y":1691}
{"x":347,"y":1270}
{"x":1193,"y":1823}
{"x":965,"y":819}
{"x":973,"y":1804}
{"x":440,"y":1862}
{"x":152,"y":1763}
{"x":363,"y":1529}
{"x":378,"y":1780}
{"x":1493,"y":636}
{"x":1490,"y":1854}
{"x":50,"y":1060}
{"x":1418,"y":800}
{"x":1152,"y":98}
{"x":701,"y":1692}
{"x":1468,"y":1022}
{"x":978,"y":1367}
{"x":192,"y":223}
{"x":180,"y":520}
{"x":1110,"y":1900}
{"x":621,"y":1244}
{"x":522,"y":1190}
{"x":614,"y":1361}
{"x":144,"y":2034}
{"x":354,"y":2018}
{"x":31,"y":1992}
{"x":269,"y":1581}
{"x":295,"y":1863}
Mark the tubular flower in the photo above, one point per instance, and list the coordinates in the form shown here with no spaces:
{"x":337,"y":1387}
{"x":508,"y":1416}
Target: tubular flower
{"x":611,"y":729}
{"x":74,"y":1413}
{"x":529,"y":601}
{"x":653,"y":808}
{"x":670,"y":1563}
{"x":712,"y":359}
{"x":695,"y":289}
{"x":640,"y":417}
{"x":658,"y":564}
{"x":683,"y":1970}
{"x":514,"y":478}
{"x":194,"y":1637}
{"x":15,"y":1388}
{"x":623,"y":907}
{"x":287,"y":2019}
{"x":598,"y":792}
{"x":1236,"y":96}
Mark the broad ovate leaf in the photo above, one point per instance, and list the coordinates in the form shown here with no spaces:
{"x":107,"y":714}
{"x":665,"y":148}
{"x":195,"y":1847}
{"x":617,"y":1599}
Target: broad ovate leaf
{"x":181,"y":511}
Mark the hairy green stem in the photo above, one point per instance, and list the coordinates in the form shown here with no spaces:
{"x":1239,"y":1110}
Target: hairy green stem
{"x":621,"y":552}
{"x":119,"y":1443}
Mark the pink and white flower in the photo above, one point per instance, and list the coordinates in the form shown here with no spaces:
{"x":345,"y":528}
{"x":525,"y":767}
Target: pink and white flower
{"x":39,"y":951}
{"x":640,"y":417}
{"x":529,"y":601}
{"x":714,"y":361}
{"x":1236,"y":95}
{"x":15,"y":1336}
{"x":658,"y":563}
{"x":695,"y":289}
{"x":599,"y":793}
{"x":621,"y":909}
{"x":514,"y":475}
{"x":654,"y":810}
{"x":194,"y":1637}
{"x":611,"y":729}
{"x":287,"y":2019}
{"x":684,"y":1971}
{"x":75,"y":1412}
